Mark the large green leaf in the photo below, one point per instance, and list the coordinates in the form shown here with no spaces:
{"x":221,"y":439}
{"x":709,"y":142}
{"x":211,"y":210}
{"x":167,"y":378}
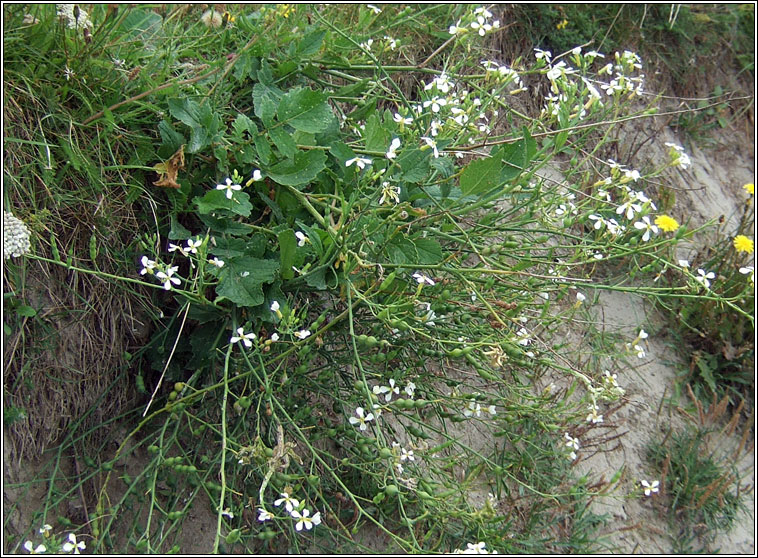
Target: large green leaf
{"x":375,"y":136}
{"x":283,"y":141}
{"x":298,"y":171}
{"x":429,"y":250}
{"x":214,"y":200}
{"x":306,"y":110}
{"x":263,"y":148}
{"x":265,"y":99}
{"x":517,"y":156}
{"x":202,"y":121}
{"x":402,"y":250}
{"x":415,"y":165}
{"x":241,"y":280}
{"x":311,"y":43}
{"x":479,"y":176}
{"x":243,"y":124}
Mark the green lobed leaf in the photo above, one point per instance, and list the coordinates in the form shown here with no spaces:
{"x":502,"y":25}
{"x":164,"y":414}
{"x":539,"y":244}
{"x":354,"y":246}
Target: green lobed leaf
{"x":263,"y":148}
{"x":299,"y":171}
{"x":429,"y":250}
{"x":402,"y":250}
{"x":241,"y":280}
{"x":265,"y":100}
{"x":311,"y":43}
{"x":480,"y":175}
{"x":243,"y":124}
{"x":376,"y":137}
{"x":202,"y":121}
{"x":316,"y":278}
{"x":214,"y":200}
{"x":517,"y":156}
{"x":170,"y":138}
{"x":306,"y":110}
{"x":178,"y":231}
{"x":414,"y":165}
{"x":283,"y":141}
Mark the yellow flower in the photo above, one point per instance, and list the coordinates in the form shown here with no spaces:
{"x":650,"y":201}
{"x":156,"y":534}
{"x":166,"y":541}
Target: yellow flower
{"x":284,"y":10}
{"x":562,"y":24}
{"x":749,"y":188}
{"x":666,"y":223}
{"x":743,"y":244}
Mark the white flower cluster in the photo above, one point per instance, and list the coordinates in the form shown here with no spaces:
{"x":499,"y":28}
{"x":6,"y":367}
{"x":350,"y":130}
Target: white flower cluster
{"x":15,"y":236}
{"x":481,"y":23}
{"x":74,"y":16}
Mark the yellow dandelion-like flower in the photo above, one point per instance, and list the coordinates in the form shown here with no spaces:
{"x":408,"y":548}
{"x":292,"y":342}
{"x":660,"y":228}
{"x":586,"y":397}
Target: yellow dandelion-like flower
{"x":666,"y":223}
{"x":749,"y":188}
{"x":743,"y":244}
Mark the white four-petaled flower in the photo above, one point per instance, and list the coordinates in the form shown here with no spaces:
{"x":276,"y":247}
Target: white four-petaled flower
{"x":421,"y":279}
{"x":650,"y":488}
{"x":229,"y":186}
{"x":303,"y":520}
{"x":148,"y":266}
{"x":29,"y":547}
{"x":362,"y":418}
{"x":302,"y":334}
{"x":168,"y":278}
{"x":647,"y":226}
{"x":193,"y":245}
{"x":389,"y":390}
{"x":392,"y":151}
{"x":246,"y":338}
{"x":289,"y":503}
{"x":73,"y":545}
{"x":433,"y":144}
{"x":361,"y":162}
{"x":704,"y":278}
{"x":264,"y":515}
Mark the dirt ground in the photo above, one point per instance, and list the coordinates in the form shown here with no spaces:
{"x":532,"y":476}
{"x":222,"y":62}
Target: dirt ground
{"x":711,"y":187}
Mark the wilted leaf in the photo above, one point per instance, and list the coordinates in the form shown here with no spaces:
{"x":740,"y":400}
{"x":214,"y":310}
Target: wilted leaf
{"x":169,"y":170}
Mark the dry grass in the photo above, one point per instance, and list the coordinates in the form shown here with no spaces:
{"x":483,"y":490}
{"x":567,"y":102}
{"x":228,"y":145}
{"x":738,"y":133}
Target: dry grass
{"x":58,"y":363}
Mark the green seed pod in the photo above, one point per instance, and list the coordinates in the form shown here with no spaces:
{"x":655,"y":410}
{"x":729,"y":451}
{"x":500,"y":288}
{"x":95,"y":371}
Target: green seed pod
{"x":456,"y":353}
{"x":391,"y":489}
{"x":388,"y":281}
{"x":487,"y":375}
